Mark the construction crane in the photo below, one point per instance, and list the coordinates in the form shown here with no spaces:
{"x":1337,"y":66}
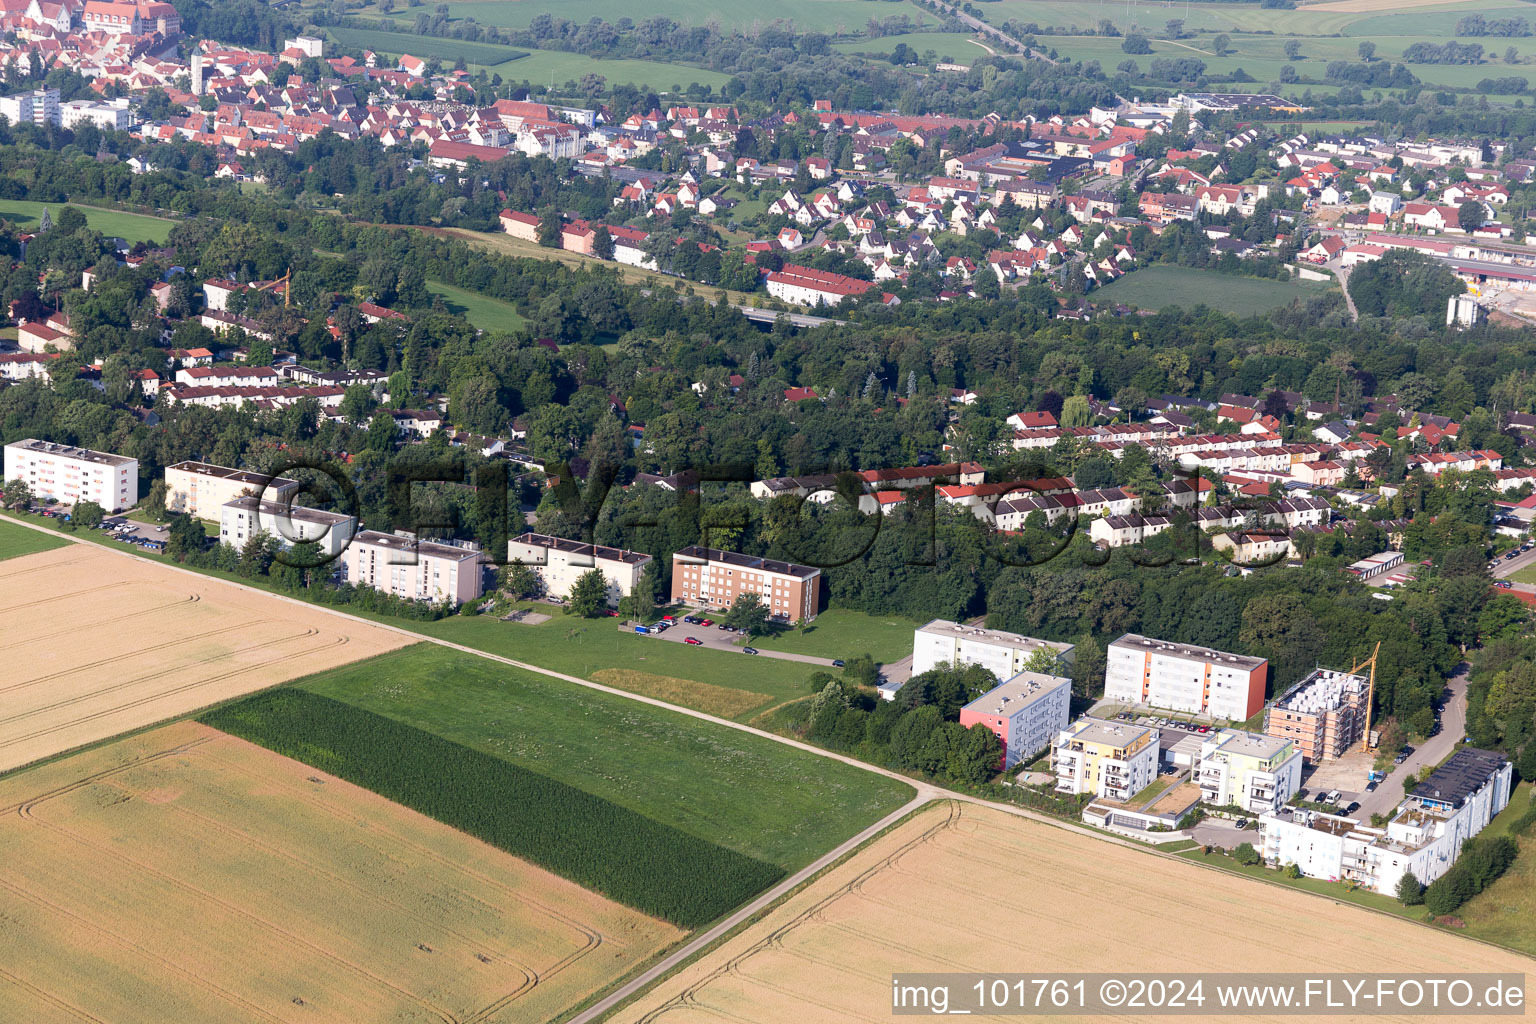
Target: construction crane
{"x":1365,"y":739}
{"x":286,"y":281}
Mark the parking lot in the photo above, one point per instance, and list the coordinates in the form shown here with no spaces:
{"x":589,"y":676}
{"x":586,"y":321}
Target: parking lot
{"x":719,"y":639}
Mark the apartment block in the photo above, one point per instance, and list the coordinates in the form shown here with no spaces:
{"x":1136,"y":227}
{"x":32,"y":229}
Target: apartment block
{"x":560,"y":563}
{"x":1324,"y":714}
{"x":1005,"y":655}
{"x":1026,"y":713}
{"x":246,"y":516}
{"x":1249,"y":770}
{"x":1184,"y":677}
{"x":202,"y":490}
{"x":416,"y":570}
{"x":1112,"y":760}
{"x":61,"y":473}
{"x":709,"y":578}
{"x":1425,"y":835}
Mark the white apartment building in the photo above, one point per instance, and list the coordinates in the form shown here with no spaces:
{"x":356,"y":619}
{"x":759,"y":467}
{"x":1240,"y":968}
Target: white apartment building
{"x":1184,"y":677}
{"x":1026,"y":713}
{"x":61,"y":473}
{"x":1005,"y":655}
{"x":1425,"y":835}
{"x":1249,"y":770}
{"x":201,"y":489}
{"x":415,"y":570}
{"x":109,"y":115}
{"x":560,"y":563}
{"x":40,"y":106}
{"x":246,"y":516}
{"x":1110,"y":760}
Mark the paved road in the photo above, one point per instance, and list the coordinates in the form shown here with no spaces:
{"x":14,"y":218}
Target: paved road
{"x":982,"y":28}
{"x":924,"y":793}
{"x":746,"y":913}
{"x":1453,"y":726}
{"x":1507,"y":568}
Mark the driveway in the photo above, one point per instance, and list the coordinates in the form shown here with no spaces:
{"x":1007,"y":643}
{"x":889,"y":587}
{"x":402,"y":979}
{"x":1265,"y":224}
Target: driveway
{"x":1453,"y":726}
{"x":718,"y":639}
{"x":1222,"y":833}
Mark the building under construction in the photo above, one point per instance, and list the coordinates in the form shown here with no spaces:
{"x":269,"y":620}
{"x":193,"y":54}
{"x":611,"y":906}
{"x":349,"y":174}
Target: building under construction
{"x":1324,"y":714}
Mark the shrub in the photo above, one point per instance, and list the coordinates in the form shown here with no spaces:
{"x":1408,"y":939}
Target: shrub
{"x":636,"y":860}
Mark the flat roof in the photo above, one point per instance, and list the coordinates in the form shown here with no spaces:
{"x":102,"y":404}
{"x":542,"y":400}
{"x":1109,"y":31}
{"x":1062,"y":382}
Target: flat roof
{"x":374,"y":538}
{"x":281,"y":510}
{"x":1321,"y":691}
{"x":1110,"y":734}
{"x":1253,"y":744}
{"x":1467,"y":771}
{"x":238,"y":475}
{"x":1186,"y":652}
{"x":1017,"y":693}
{"x":576,"y":547}
{"x":993,"y":637}
{"x":71,"y":452}
{"x":698,"y":553}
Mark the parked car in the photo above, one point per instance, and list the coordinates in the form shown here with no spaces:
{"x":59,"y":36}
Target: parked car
{"x":689,"y":619}
{"x":693,"y":641}
{"x":727,"y":627}
{"x":749,"y":650}
{"x":1241,"y":823}
{"x":706,"y":622}
{"x":1370,"y":787}
{"x":612,"y":614}
{"x":1205,"y":728}
{"x":837,"y":663}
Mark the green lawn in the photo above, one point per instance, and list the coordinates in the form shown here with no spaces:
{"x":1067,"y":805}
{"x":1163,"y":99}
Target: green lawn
{"x":133,"y":227}
{"x":484,"y":312}
{"x":841,"y":633}
{"x":584,"y":647}
{"x":1258,"y":36}
{"x":806,"y":15}
{"x":581,"y":647}
{"x":1159,"y":286}
{"x":18,"y":540}
{"x":1505,"y":912}
{"x":1526,"y":575}
{"x":552,"y":67}
{"x":447,"y":50}
{"x":953,"y":45}
{"x":746,"y":793}
{"x":1333,"y":890}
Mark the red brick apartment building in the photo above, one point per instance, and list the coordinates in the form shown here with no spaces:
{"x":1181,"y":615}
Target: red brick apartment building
{"x":709,"y":578}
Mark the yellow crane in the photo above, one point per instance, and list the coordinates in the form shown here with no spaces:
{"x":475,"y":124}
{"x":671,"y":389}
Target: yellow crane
{"x":1365,"y":739}
{"x":286,"y":281}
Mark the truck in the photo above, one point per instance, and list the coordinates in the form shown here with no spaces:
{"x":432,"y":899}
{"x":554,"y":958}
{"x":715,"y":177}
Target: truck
{"x":642,"y":629}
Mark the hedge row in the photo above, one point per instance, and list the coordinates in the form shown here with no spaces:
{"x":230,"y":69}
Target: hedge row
{"x":626,"y":856}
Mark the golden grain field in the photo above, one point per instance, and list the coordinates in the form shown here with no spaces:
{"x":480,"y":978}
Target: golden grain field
{"x":725,"y":701}
{"x":96,"y":644}
{"x":185,"y":875}
{"x":962,"y":888}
